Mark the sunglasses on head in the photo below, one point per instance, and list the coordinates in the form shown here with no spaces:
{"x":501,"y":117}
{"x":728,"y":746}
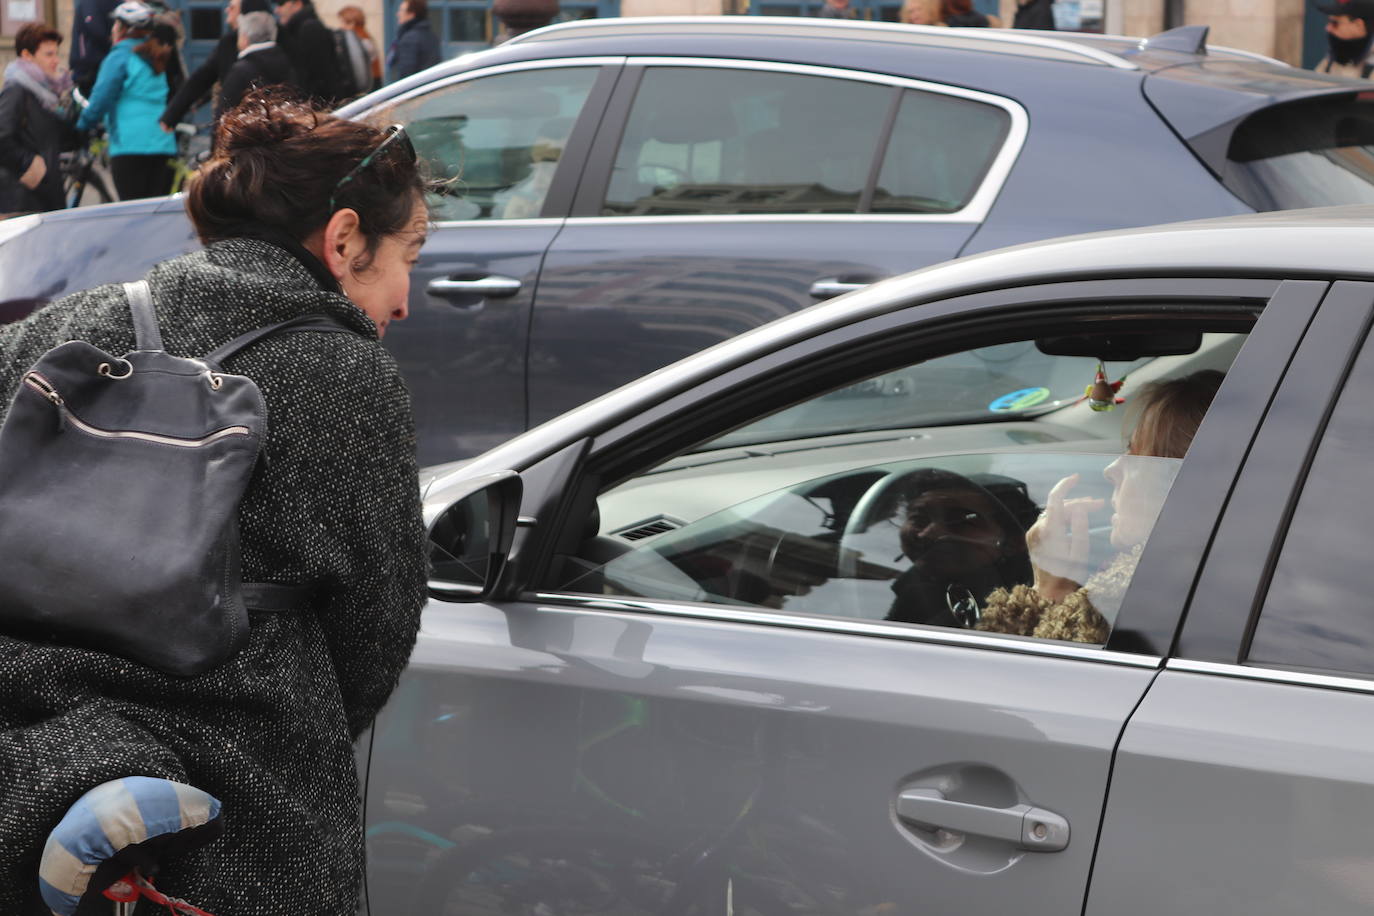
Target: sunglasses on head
{"x":396,"y":138}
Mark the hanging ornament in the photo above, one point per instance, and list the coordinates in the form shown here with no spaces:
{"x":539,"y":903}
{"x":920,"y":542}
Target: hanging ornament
{"x":1101,"y":393}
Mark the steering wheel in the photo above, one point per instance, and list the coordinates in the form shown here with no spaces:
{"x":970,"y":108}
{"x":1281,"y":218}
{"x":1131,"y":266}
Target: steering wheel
{"x":852,"y":541}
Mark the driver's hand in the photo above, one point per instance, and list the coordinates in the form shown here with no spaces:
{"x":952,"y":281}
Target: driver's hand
{"x":1059,"y":541}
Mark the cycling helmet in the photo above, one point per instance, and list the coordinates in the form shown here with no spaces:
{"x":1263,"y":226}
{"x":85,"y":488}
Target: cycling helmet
{"x":133,"y":13}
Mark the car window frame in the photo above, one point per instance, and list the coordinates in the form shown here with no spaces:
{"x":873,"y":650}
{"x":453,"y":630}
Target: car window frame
{"x":829,"y":359}
{"x":591,"y":191}
{"x":1249,"y":539}
{"x":573,"y":160}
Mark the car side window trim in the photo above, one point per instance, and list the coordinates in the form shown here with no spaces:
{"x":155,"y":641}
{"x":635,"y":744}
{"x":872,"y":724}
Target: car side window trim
{"x":1212,"y":299}
{"x":1235,"y":578}
{"x":575,"y":152}
{"x":587,"y":206}
{"x":846,"y":626}
{"x":1272,"y":675}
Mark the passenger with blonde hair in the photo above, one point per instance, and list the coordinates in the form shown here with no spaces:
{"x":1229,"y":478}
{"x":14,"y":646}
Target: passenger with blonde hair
{"x":1065,"y":601}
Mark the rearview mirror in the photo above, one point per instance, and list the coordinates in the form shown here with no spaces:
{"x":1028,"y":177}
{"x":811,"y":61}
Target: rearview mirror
{"x":1121,"y":346}
{"x":470,"y":538}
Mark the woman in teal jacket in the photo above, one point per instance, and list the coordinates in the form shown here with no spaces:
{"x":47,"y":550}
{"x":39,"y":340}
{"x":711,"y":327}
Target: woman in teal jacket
{"x":130,"y":94}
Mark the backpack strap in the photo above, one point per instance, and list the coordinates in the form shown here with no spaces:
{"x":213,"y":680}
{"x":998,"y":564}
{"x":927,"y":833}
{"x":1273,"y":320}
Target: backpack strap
{"x":300,"y":323}
{"x":146,"y":332}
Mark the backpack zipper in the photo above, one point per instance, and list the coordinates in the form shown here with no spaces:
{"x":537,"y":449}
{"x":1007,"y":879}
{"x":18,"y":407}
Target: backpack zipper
{"x":45,"y":388}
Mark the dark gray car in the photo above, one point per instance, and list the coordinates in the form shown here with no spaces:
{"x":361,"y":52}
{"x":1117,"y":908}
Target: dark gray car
{"x":627,"y":192}
{"x":668,"y":667}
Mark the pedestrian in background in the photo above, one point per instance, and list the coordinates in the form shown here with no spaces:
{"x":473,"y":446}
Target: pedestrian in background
{"x":34,"y":123}
{"x":310,"y":47}
{"x":90,"y":41}
{"x":1034,"y":14}
{"x":835,"y":9}
{"x":1349,"y":35}
{"x":960,"y":14}
{"x":129,"y":96}
{"x":197,"y":88}
{"x":921,"y":12}
{"x":416,"y":46}
{"x":353,"y":19}
{"x":260,"y":63}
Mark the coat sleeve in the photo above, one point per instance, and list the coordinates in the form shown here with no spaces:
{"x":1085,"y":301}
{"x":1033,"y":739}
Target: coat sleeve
{"x":407,"y":56}
{"x":236,"y":84}
{"x":14,"y":155}
{"x":108,"y":85}
{"x":340,"y":494}
{"x":197,"y":85}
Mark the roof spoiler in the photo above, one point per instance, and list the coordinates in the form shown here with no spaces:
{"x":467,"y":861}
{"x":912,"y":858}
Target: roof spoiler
{"x":1186,"y":39}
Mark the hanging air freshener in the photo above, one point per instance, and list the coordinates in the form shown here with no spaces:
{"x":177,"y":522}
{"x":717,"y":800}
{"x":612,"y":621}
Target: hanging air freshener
{"x":1101,"y":393}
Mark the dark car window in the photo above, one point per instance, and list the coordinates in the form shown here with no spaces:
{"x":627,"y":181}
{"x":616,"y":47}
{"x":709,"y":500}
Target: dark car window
{"x":703,"y":141}
{"x":496,"y":140}
{"x":1305,"y":154}
{"x":1317,"y":613}
{"x":941,"y":148}
{"x":918,"y":523}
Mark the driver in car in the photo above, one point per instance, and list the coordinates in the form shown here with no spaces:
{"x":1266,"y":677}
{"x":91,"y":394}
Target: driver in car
{"x":965,"y":537}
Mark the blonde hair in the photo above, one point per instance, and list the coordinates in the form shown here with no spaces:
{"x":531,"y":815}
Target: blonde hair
{"x":1168,"y":414}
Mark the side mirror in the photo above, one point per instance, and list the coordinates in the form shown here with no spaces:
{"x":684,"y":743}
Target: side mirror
{"x":470,"y":536}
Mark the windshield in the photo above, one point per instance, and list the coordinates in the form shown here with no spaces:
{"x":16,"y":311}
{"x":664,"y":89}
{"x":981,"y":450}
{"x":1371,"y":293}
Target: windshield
{"x":1305,"y":154}
{"x":990,"y":383}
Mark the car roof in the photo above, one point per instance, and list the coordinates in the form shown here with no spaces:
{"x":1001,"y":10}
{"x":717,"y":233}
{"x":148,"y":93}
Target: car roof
{"x":1115,"y":51}
{"x":1327,"y":243}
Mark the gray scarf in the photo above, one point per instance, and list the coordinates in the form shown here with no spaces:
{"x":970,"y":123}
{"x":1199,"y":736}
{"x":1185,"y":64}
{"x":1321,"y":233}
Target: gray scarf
{"x":51,"y":92}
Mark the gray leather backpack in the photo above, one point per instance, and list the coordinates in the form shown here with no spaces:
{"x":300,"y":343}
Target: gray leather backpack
{"x":120,"y":480}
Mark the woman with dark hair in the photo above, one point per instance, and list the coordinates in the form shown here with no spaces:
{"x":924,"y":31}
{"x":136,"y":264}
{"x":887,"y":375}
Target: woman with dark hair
{"x":130,"y":94}
{"x":301,"y":213}
{"x":34,"y":123}
{"x":1067,"y":600}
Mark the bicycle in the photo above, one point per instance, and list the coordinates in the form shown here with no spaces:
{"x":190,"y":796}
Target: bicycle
{"x":185,"y":162}
{"x":110,"y":842}
{"x":86,"y":166}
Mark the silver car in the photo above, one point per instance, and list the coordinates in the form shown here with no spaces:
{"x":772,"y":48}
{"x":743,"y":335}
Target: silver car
{"x":670,"y":664}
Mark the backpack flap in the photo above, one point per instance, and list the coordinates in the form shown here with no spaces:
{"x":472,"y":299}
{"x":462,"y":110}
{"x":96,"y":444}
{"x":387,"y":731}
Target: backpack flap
{"x":120,"y":480}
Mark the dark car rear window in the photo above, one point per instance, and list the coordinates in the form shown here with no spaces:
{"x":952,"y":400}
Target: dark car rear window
{"x":1312,"y":153}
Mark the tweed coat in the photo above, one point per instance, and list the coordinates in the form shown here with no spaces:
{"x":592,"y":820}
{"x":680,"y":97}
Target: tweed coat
{"x":335,"y":503}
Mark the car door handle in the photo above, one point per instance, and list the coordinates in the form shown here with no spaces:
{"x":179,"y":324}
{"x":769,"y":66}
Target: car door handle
{"x":492,"y":287}
{"x":1027,"y":827}
{"x":834,"y":286}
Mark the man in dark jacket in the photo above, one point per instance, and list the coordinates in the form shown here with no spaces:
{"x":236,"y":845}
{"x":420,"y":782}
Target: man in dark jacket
{"x":310,"y":48}
{"x":260,"y":62}
{"x":196,"y":90}
{"x":90,"y":41}
{"x":1034,"y":14}
{"x":416,"y":46}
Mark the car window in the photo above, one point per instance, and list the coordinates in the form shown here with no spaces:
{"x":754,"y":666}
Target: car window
{"x":702,"y":141}
{"x":1313,"y":153}
{"x":1316,"y":613}
{"x":1001,"y":381}
{"x":941,"y":147}
{"x":998,"y":523}
{"x":495,"y":141}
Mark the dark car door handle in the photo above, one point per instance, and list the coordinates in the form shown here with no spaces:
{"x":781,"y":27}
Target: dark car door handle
{"x":1027,"y":827}
{"x":492,"y":287}
{"x":834,"y":286}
